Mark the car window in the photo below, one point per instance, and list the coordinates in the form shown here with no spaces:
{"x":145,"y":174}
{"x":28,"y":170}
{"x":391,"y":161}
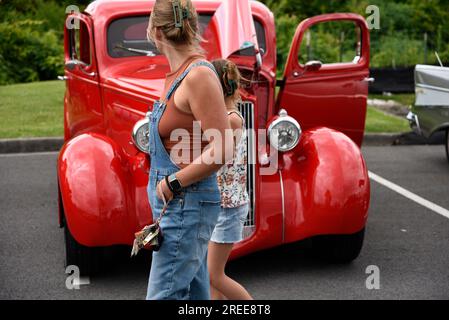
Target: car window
{"x":332,"y":42}
{"x":261,"y":38}
{"x":80,"y":43}
{"x":127,"y":37}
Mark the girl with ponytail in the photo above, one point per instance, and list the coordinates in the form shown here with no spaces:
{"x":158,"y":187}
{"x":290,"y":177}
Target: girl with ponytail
{"x":234,"y":197}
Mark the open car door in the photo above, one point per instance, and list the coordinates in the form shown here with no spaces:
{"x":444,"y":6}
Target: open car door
{"x":326,"y":76}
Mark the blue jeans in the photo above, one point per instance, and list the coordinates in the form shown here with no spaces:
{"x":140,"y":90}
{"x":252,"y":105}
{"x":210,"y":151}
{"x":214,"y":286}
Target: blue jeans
{"x":179,"y":269}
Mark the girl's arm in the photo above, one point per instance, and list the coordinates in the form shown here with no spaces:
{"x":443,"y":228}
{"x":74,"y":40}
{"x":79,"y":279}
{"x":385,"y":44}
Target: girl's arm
{"x":236,"y":126}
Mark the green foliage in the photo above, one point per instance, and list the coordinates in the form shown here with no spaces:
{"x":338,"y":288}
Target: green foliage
{"x":27,"y":53}
{"x":398,"y":43}
{"x":399,"y":51}
{"x":31,"y":33}
{"x":285,"y":29}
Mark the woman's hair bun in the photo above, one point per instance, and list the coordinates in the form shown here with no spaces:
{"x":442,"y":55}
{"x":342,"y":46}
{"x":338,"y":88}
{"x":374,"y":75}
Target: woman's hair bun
{"x":178,"y":21}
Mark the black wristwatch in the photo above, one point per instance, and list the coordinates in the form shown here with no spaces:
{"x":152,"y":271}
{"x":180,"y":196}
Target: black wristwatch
{"x":173,"y":184}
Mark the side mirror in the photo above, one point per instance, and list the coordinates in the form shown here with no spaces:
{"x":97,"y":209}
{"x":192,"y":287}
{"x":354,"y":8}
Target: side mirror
{"x":71,"y":64}
{"x":313,"y":65}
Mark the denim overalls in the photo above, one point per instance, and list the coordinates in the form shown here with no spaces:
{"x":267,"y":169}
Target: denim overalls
{"x":179,"y":269}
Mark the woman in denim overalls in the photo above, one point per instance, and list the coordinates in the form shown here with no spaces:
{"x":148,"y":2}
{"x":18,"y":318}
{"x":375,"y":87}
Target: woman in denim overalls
{"x":179,"y":268}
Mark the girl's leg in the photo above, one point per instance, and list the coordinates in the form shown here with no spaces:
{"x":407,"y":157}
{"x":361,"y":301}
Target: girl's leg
{"x":221,"y":284}
{"x":215,"y":294}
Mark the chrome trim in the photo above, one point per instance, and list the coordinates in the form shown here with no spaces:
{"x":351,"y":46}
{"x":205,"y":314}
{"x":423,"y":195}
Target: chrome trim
{"x":314,"y":65}
{"x":259,"y":60}
{"x":139,"y":124}
{"x":426,"y":86}
{"x":246,"y":108}
{"x":369,"y":80}
{"x":283,"y":116}
{"x":283,"y":205}
{"x":414,"y":122}
{"x":72,"y":64}
{"x":411,"y":117}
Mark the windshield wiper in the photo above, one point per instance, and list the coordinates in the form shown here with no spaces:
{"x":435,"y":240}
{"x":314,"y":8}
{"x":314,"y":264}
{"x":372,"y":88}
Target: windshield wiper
{"x":143,"y":52}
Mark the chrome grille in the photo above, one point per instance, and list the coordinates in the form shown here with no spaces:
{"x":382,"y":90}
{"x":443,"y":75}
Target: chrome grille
{"x":247,"y":111}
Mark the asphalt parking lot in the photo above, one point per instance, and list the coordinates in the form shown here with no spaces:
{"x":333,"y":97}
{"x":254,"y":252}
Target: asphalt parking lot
{"x":406,"y":240}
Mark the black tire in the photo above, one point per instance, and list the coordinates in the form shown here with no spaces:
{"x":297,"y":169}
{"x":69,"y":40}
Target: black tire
{"x":338,"y":248}
{"x":88,"y":260}
{"x":447,"y":145}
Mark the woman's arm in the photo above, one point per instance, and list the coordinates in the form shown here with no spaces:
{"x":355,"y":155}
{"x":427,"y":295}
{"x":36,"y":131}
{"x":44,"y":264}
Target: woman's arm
{"x":206,"y":101}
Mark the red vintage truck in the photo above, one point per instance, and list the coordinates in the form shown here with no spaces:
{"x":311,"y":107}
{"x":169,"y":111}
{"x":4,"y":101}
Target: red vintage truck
{"x":310,"y":124}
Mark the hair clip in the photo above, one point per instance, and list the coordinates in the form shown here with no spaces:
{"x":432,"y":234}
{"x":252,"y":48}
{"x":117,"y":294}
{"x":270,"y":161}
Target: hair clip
{"x":186,"y":13}
{"x":179,"y":13}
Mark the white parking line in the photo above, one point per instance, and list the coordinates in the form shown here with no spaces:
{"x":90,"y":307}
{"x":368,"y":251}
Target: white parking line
{"x":410,"y":195}
{"x":27,"y":154}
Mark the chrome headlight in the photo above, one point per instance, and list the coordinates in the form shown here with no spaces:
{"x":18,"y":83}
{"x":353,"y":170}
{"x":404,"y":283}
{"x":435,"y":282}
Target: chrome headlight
{"x":141,"y":134}
{"x":284,"y":133}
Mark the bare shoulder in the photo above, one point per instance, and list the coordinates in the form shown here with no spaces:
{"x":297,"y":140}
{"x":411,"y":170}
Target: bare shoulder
{"x":202,"y":77}
{"x":236,"y":121}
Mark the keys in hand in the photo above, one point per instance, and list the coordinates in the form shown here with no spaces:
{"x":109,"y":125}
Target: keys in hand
{"x":148,"y":235}
{"x":151,"y":234}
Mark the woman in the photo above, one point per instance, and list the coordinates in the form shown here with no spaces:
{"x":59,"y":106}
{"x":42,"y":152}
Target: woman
{"x":192,"y":96}
{"x":234,"y":197}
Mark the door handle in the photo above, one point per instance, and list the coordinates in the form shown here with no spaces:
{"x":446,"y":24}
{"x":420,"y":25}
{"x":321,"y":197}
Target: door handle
{"x":90,"y":74}
{"x":369,"y":80}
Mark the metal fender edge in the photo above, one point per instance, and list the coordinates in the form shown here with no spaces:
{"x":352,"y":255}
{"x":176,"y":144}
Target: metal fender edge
{"x":91,"y":174}
{"x":329,"y":187}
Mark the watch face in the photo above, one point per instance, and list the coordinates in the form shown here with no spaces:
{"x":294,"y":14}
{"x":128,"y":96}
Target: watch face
{"x":174,"y":183}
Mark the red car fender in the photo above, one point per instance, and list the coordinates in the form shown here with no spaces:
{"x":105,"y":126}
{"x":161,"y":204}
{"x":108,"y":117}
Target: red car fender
{"x":326,"y":186}
{"x":93,"y":186}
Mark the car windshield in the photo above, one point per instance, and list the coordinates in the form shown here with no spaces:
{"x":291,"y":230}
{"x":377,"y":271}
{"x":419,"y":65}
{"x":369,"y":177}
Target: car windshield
{"x":127,"y":37}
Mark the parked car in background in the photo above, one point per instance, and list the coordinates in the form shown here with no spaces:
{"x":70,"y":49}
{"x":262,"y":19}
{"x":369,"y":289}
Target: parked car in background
{"x":430,"y":113}
{"x":313,"y":129}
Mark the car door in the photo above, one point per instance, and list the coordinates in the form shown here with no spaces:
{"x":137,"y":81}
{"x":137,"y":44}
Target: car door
{"x":326,"y":76}
{"x":83,"y":105}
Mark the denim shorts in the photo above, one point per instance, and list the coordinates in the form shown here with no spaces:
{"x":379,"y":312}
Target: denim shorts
{"x":229,"y":228}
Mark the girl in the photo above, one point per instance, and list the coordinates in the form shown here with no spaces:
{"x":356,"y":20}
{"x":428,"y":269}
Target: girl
{"x":234,"y":197}
{"x":192,"y":95}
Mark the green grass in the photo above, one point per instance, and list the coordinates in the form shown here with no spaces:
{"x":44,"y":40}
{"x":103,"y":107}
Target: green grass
{"x":32,"y":110}
{"x":404,"y":99}
{"x":378,"y":121}
{"x":36,"y":110}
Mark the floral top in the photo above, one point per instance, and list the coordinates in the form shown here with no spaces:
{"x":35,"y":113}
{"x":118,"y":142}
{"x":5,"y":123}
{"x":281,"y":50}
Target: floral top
{"x":233,"y":175}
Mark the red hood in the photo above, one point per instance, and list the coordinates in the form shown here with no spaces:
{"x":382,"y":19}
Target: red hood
{"x":233,"y":28}
{"x":141,"y":77}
